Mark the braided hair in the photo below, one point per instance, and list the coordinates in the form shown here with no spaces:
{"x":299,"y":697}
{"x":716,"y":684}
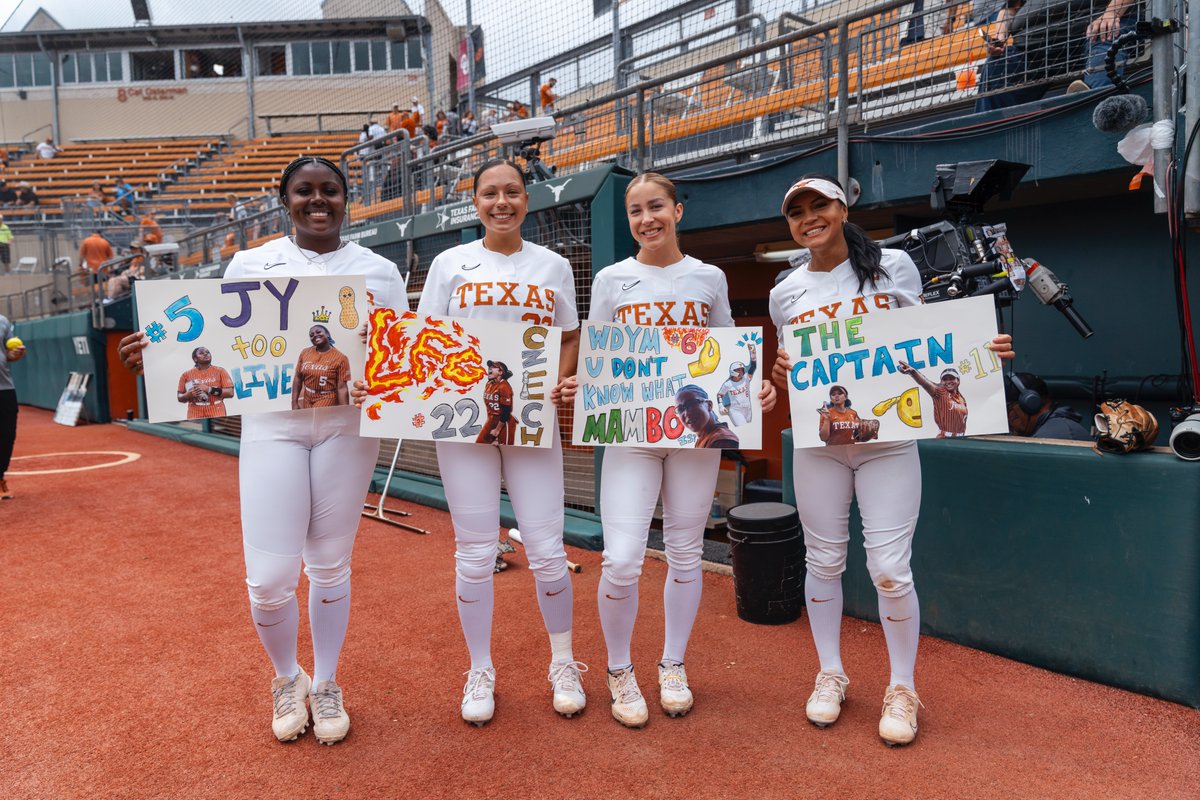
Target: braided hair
{"x":294,"y":167}
{"x":866,"y":256}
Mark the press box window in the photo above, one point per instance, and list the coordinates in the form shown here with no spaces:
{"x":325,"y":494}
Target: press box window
{"x":217,"y":62}
{"x":25,"y":69}
{"x":152,"y":65}
{"x":321,"y":58}
{"x":272,"y":60}
{"x":91,"y":67}
{"x":406,"y":54}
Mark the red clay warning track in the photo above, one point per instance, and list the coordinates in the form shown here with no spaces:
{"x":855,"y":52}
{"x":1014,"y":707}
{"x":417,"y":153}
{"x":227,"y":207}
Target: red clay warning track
{"x":131,"y":670}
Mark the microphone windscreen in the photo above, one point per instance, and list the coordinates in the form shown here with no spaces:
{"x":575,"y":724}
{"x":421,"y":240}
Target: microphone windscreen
{"x":1120,"y":113}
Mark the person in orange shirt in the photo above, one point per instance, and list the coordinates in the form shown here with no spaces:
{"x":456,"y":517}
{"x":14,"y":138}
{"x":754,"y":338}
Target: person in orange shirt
{"x":949,"y":406}
{"x":322,"y":373}
{"x":695,"y":410}
{"x":94,"y":251}
{"x":839,"y":422}
{"x":520,"y":110}
{"x":501,"y":425}
{"x":395,"y":120}
{"x":204,"y":387}
{"x":548,"y":97}
{"x":149,"y":230}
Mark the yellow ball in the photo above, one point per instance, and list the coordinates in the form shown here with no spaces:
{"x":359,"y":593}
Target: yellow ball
{"x":14,"y":343}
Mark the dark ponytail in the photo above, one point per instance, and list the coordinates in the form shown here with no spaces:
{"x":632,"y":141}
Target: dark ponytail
{"x":866,"y":256}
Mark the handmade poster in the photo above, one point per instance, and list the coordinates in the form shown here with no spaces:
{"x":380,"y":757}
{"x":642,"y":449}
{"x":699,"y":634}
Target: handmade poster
{"x":460,"y":380}
{"x":914,"y":373}
{"x":669,"y":387}
{"x":219,"y":348}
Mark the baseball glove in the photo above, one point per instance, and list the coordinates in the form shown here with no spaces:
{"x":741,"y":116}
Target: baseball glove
{"x":868,"y":429}
{"x":1123,"y":427}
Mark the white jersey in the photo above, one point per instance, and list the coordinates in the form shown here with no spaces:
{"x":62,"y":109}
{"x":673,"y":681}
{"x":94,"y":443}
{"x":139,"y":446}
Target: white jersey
{"x":533,"y":285}
{"x":739,"y":407}
{"x":283,"y":258}
{"x":804,"y":296}
{"x":688,"y":293}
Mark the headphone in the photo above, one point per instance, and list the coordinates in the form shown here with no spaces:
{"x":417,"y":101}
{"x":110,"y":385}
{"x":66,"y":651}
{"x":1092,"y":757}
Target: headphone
{"x":1028,"y":400}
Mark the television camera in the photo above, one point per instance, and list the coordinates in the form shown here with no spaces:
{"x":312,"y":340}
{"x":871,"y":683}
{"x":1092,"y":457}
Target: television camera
{"x":959,"y":257}
{"x":525,"y":136}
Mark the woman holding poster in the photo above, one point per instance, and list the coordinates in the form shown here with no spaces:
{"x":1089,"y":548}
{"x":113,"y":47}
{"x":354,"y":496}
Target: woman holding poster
{"x":540,"y":289}
{"x":684,"y":291}
{"x":304,"y":474}
{"x":843,"y":269}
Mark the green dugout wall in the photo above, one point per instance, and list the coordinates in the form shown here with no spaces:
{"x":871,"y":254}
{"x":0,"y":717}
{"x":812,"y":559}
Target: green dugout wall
{"x":58,"y":346}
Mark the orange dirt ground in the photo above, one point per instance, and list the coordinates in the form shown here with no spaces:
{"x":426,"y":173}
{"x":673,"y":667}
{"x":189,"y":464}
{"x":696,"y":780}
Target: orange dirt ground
{"x":131,"y":670}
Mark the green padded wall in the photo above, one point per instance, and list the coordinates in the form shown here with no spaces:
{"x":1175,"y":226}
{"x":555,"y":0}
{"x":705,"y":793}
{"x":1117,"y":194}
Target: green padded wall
{"x":58,"y":346}
{"x":1056,"y":556}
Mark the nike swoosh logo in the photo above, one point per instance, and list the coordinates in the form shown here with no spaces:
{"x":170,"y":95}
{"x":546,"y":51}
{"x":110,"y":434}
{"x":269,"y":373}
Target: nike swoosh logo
{"x":610,"y":597}
{"x":693,"y":580}
{"x":560,"y":591}
{"x":906,"y":619}
{"x":270,"y":625}
{"x":465,"y":268}
{"x":462,"y":599}
{"x":826,"y":600}
{"x":327,"y":600}
{"x":278,"y":264}
{"x":796,"y":297}
{"x":625,"y":287}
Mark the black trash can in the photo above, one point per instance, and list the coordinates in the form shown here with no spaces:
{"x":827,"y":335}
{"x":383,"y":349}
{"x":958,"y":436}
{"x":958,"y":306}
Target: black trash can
{"x":768,"y":562}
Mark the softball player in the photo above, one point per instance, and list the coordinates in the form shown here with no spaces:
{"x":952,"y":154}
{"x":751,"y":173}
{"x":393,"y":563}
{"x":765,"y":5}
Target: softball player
{"x":733,"y":398}
{"x":502,"y":277}
{"x":661,"y":286}
{"x":850,"y":274}
{"x":949,"y":406}
{"x":500,"y":426}
{"x":304,"y":474}
{"x":204,"y":387}
{"x":322,"y":375}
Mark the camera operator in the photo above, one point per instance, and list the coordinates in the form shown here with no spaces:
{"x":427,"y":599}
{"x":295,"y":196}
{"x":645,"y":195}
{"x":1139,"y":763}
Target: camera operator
{"x":1049,"y":421}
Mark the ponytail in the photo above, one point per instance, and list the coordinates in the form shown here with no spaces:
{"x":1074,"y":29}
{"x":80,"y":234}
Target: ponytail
{"x":866,"y":256}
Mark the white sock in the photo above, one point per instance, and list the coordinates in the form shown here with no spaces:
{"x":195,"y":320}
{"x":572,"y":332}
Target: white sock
{"x":475,"y":602}
{"x":618,"y":613}
{"x":277,"y":630}
{"x":901,"y":620}
{"x":823,"y":600}
{"x":560,"y":647}
{"x":328,"y":616}
{"x":681,"y":601}
{"x":556,"y":599}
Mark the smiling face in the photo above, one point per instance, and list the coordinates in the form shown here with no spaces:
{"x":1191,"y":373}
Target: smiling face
{"x":317,"y":204}
{"x":501,"y":200}
{"x":950,"y":383}
{"x":816,"y":222}
{"x":694,"y":411}
{"x":317,"y":335}
{"x":652,"y":217}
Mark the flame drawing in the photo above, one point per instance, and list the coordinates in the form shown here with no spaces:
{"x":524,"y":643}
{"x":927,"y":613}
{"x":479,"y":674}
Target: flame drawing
{"x":427,"y":356}
{"x":686,"y":340}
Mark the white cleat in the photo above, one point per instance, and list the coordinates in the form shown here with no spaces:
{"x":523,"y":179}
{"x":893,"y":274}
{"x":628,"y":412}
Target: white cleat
{"x":674,"y":694}
{"x":479,"y":702}
{"x":628,"y":705}
{"x":569,"y":699}
{"x":331,"y":723}
{"x":288,"y":696}
{"x":898,"y":724}
{"x":825,"y":703}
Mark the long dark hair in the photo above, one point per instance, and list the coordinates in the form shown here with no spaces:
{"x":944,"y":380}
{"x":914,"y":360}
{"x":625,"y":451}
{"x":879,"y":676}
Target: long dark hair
{"x":866,"y":256}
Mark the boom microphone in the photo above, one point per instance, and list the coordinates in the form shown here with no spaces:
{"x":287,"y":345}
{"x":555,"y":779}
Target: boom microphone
{"x":1120,"y":113}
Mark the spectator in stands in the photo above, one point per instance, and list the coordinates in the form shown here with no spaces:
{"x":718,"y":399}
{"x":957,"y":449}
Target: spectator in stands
{"x":8,"y":402}
{"x":95,"y":197}
{"x":6,"y":237}
{"x":1050,"y":421}
{"x":93,"y":252}
{"x":120,"y":283}
{"x":149,"y":230}
{"x":237,"y":209}
{"x":470,"y":125}
{"x":1115,"y":20}
{"x":395,"y":120}
{"x":489,"y":119}
{"x":27,"y":196}
{"x":520,"y":109}
{"x":453,"y":123}
{"x":126,"y":195}
{"x":47,"y":148}
{"x":409,"y":123}
{"x":547,"y":96}
{"x":1047,"y":38}
{"x":375,"y":130}
{"x":440,"y":122}
{"x":364,"y":136}
{"x":8,"y":195}
{"x":417,"y":110}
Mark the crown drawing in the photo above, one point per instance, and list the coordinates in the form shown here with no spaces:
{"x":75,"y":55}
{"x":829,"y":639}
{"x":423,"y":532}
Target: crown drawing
{"x":322,"y":315}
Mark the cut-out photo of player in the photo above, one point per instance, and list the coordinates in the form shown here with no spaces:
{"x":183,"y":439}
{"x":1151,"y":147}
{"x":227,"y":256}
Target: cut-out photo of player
{"x":322,"y":373}
{"x":204,"y":387}
{"x":733,"y":398}
{"x":500,"y":426}
{"x":949,"y":406}
{"x":840,"y":424}
{"x":695,"y":410}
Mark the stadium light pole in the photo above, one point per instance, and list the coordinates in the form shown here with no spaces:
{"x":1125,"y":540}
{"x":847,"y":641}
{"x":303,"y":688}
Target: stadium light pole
{"x":470,"y":61}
